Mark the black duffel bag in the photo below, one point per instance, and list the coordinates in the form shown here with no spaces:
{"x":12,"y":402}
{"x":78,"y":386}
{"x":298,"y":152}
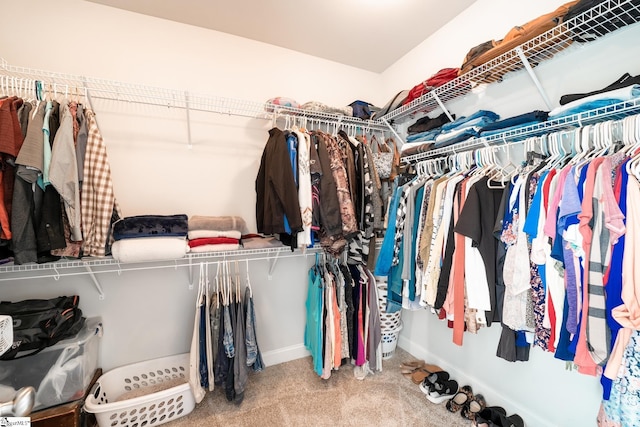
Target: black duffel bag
{"x":40,"y":323}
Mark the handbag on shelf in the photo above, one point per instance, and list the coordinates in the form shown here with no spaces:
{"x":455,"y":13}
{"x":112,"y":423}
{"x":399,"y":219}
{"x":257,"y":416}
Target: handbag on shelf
{"x":383,"y":157}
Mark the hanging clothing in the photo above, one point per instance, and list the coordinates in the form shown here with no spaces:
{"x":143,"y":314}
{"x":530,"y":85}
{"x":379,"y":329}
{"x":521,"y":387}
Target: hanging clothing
{"x":476,"y":221}
{"x":276,"y":192}
{"x":99,"y":206}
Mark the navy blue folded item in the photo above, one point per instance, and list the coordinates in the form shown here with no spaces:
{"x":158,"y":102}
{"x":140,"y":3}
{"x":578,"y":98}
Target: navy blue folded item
{"x":509,"y":129}
{"x":151,"y":226}
{"x":533,"y":116}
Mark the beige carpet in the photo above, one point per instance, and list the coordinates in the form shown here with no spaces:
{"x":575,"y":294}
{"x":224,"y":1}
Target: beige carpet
{"x":291,"y":394}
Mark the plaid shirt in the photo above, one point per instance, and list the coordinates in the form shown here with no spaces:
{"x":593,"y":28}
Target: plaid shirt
{"x":98,"y":199}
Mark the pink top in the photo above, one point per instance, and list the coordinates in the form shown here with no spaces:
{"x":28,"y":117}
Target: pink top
{"x":583,"y":358}
{"x":628,"y":314}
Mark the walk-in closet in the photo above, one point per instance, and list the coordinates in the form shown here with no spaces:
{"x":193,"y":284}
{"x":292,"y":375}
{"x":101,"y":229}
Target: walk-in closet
{"x":431,"y":227}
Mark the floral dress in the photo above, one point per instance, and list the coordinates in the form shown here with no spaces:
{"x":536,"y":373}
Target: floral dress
{"x":623,"y":407}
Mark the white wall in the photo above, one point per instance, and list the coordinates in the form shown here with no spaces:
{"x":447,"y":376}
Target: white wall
{"x":541,"y":390}
{"x":150,"y":313}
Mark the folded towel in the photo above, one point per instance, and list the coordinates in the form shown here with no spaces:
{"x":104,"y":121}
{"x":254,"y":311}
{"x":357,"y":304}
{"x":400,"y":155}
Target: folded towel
{"x":200,"y":234}
{"x":212,"y":241}
{"x":218,"y":223}
{"x":225,"y":247}
{"x":261,"y":242}
{"x":150,"y":226}
{"x":149,"y":249}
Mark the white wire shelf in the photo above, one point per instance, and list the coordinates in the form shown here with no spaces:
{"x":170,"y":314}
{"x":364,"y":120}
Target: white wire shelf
{"x":62,"y":265}
{"x":613,"y":13}
{"x":91,"y":266}
{"x":610,"y":112}
{"x":112,"y":90}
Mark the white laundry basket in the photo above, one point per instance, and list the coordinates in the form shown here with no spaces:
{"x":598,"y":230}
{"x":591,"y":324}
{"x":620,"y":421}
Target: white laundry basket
{"x":390,"y":323}
{"x":147,"y":410}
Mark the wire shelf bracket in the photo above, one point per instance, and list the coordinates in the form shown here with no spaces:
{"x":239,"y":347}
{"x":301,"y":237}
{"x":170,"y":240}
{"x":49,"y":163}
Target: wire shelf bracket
{"x":534,"y":78}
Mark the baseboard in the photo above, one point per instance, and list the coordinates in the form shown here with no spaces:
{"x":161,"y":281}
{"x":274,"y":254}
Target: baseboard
{"x":532,"y":419}
{"x":285,"y":354}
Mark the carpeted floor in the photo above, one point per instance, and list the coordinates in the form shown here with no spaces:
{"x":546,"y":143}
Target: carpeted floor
{"x":291,"y":394}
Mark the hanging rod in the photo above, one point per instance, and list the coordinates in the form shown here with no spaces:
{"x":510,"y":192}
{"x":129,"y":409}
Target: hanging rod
{"x":112,"y":90}
{"x":609,"y":112}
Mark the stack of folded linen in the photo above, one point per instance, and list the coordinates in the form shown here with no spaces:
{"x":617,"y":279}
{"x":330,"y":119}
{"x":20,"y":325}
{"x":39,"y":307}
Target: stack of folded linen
{"x":257,"y":241}
{"x":464,"y":128}
{"x":150,"y":238}
{"x":215,"y":233}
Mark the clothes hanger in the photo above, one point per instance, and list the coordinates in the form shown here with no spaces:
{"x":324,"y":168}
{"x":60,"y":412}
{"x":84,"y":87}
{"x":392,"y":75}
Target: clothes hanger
{"x":238,"y":295}
{"x":634,"y":135}
{"x":217,"y":284}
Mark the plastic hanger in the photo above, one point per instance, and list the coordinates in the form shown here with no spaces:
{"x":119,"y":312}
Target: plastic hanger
{"x":238,"y":294}
{"x":248,"y":280}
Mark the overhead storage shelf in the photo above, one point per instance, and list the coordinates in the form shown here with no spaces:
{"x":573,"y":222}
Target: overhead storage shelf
{"x":62,"y":265}
{"x":613,"y":14}
{"x":96,"y":88}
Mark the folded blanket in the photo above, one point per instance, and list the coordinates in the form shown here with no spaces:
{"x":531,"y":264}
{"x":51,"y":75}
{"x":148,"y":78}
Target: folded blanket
{"x":218,"y":223}
{"x":212,"y":241}
{"x":261,"y":242}
{"x":149,"y":249}
{"x":225,"y":247}
{"x":150,"y":226}
{"x":200,"y":234}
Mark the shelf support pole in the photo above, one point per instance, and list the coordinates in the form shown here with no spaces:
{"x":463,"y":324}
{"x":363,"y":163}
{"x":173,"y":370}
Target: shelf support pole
{"x":94,"y":279}
{"x":441,"y":105}
{"x":393,"y":131}
{"x":190,"y":272}
{"x":272,"y":265}
{"x":186,"y":104}
{"x":536,"y":82}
